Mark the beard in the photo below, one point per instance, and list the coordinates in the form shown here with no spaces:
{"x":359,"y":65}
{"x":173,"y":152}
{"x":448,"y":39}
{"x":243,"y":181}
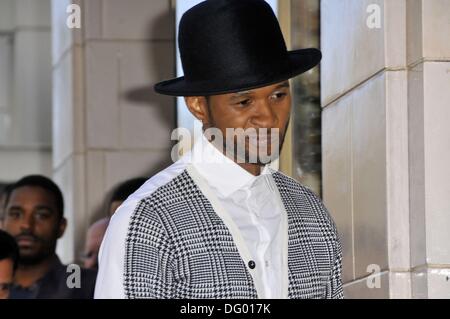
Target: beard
{"x":260,"y":149}
{"x":32,"y":260}
{"x":247,"y":151}
{"x":40,"y":250}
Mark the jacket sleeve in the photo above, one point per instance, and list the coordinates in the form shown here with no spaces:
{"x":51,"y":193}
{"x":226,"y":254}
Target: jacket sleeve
{"x":334,"y":286}
{"x":135,"y":260}
{"x":111,"y":258}
{"x":149,"y":264}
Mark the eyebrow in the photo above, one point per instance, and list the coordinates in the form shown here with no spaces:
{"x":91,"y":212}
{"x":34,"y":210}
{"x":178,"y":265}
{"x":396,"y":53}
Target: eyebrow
{"x":13,"y":207}
{"x":35,"y":208}
{"x":44,"y":207}
{"x":243,"y":93}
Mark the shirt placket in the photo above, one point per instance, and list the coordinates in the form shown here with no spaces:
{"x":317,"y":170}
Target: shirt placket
{"x":263,"y":255}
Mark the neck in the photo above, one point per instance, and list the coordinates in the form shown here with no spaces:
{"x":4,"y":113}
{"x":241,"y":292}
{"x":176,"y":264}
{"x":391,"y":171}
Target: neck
{"x":27,"y":275}
{"x":254,"y":169}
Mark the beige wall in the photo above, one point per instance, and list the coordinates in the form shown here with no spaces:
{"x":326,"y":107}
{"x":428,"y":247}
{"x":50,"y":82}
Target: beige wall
{"x":25,"y":123}
{"x":385,"y":97}
{"x":105,"y":130}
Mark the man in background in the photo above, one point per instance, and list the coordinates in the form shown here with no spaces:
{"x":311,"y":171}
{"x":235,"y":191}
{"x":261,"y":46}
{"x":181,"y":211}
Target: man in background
{"x":34,"y":216}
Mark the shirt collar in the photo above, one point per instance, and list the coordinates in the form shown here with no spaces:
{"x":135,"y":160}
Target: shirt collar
{"x":220,"y":171}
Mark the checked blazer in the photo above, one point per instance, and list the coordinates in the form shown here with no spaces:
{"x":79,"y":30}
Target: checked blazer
{"x":176,"y":246}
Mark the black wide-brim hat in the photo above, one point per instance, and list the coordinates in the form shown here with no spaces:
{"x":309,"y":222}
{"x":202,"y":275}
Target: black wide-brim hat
{"x":231,"y":46}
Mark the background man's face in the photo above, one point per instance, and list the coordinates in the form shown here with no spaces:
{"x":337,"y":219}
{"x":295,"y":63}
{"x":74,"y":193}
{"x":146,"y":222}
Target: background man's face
{"x":31,"y":217}
{"x":268,"y":107}
{"x":6,"y":277}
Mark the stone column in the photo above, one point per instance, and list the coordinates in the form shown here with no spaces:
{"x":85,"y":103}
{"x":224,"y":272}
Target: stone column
{"x":428,"y":30}
{"x":108,"y":124}
{"x":365,"y":153}
{"x":25,"y":106}
{"x":386,"y":144}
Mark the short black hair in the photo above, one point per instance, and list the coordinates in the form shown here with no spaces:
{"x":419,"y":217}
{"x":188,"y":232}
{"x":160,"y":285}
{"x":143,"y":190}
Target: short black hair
{"x":126,"y":188}
{"x":9,"y":248}
{"x":39,"y":181}
{"x":3,"y":187}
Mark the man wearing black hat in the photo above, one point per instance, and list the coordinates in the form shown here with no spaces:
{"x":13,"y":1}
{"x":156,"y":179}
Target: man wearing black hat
{"x":220,"y":222}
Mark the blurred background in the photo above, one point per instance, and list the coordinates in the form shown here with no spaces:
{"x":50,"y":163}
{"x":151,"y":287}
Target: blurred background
{"x":369,"y":130}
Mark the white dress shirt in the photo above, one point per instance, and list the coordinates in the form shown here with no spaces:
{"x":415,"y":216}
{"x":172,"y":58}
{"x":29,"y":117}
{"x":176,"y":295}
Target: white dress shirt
{"x":254,"y":205}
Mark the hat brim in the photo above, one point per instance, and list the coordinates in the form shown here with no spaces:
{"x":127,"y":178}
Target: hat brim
{"x":300,"y":61}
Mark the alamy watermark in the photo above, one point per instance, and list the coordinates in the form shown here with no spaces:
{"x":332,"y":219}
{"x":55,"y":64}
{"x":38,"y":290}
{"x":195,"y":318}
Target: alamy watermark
{"x":251,"y":145}
{"x":74,"y":279}
{"x":373,"y":20}
{"x":74,"y":19}
{"x":374,"y":279}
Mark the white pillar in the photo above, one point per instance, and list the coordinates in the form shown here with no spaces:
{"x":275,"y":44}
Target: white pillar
{"x":385,"y":94}
{"x":25,"y":113}
{"x":429,"y":146}
{"x":104,"y":130}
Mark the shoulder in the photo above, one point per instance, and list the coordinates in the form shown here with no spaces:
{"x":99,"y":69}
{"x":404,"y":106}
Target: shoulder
{"x":287,"y":183}
{"x":147,"y":191}
{"x":307,"y":198}
{"x":113,"y":249}
{"x":88,"y":278}
{"x":67,"y":282}
{"x":142,"y":204}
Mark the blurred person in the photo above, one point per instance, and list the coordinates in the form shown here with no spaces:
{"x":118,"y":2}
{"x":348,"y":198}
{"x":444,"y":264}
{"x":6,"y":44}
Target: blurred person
{"x":94,"y":239}
{"x":34,"y":216}
{"x":9,"y":259}
{"x":122,"y":191}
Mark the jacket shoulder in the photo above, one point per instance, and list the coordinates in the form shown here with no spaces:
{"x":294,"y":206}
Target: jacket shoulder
{"x":290,"y":189}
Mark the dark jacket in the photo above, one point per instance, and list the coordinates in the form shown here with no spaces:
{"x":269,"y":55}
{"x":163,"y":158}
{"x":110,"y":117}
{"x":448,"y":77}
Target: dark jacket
{"x":54,"y":285}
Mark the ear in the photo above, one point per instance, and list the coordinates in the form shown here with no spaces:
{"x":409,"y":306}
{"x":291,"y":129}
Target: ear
{"x":198,"y":106}
{"x":62,"y":227}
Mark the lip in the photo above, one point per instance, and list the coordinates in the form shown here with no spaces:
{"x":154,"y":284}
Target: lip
{"x":26,"y":241}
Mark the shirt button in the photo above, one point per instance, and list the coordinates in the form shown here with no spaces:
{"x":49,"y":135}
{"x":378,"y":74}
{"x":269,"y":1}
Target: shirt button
{"x":251,"y":264}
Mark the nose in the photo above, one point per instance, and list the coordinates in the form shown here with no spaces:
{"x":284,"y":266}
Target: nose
{"x":26,"y":222}
{"x":264,"y":116}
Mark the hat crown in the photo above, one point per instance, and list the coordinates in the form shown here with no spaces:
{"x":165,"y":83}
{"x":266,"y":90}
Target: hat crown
{"x":230,"y":38}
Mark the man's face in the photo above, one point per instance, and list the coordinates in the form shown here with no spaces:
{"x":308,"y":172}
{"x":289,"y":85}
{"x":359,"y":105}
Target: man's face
{"x":264,"y":108}
{"x":31,"y":217}
{"x":6,"y":277}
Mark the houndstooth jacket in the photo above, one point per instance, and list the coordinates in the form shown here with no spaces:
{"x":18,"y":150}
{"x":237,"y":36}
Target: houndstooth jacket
{"x":175,"y":245}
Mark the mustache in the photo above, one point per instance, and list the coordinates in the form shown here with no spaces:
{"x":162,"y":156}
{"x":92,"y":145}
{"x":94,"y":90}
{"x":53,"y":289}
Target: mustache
{"x":27,"y":235}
